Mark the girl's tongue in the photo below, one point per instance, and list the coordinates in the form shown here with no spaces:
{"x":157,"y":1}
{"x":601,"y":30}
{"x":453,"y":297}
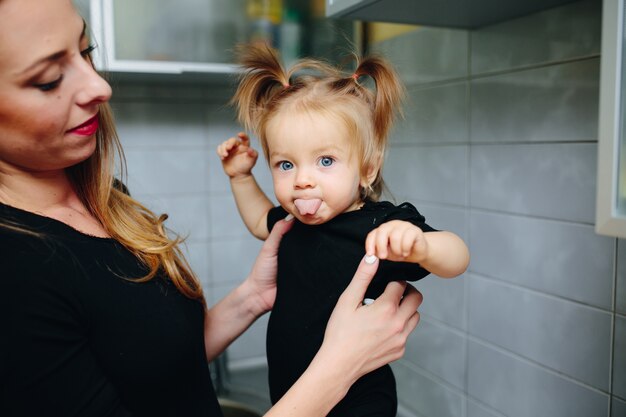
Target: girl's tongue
{"x":307,"y":206}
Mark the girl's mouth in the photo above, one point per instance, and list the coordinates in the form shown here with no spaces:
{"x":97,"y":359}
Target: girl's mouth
{"x":88,"y":128}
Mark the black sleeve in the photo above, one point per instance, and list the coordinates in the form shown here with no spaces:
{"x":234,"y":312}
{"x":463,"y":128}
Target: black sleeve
{"x":408,"y":212}
{"x":274,"y":216}
{"x":406,"y":271}
{"x":46,"y":365}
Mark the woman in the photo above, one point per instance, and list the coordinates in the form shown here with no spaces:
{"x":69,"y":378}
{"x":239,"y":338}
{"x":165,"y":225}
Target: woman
{"x":101,"y":315}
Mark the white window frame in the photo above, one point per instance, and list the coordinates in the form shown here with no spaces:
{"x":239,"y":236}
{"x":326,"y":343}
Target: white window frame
{"x":608,"y":219}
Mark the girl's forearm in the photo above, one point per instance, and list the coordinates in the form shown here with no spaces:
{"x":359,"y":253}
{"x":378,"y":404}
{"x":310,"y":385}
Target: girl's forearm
{"x":447,"y":255}
{"x":252,"y":204}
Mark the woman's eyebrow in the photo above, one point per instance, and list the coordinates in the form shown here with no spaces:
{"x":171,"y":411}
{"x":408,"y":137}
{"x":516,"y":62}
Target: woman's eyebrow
{"x":56,"y":55}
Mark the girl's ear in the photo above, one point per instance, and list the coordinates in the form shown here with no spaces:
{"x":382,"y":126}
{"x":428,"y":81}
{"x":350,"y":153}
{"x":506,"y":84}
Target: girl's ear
{"x":370,"y":176}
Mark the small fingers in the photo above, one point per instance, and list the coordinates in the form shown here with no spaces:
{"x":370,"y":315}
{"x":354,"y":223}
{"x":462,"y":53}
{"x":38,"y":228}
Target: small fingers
{"x":223,"y":150}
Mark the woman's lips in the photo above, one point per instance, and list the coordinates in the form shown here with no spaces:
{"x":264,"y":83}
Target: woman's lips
{"x":88,"y":128}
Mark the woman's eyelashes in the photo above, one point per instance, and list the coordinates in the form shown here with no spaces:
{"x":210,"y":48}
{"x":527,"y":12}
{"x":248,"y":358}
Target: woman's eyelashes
{"x":86,"y":53}
{"x":49,"y":86}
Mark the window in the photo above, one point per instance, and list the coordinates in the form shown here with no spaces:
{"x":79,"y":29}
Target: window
{"x":611,"y":197}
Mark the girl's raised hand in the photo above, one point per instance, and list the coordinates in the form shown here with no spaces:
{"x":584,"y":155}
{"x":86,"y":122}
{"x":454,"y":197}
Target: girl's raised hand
{"x":238,"y":158}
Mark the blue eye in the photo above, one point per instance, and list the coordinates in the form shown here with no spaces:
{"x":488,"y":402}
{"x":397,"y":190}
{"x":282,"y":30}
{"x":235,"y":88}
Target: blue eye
{"x":326,"y":161}
{"x":285,"y":165}
{"x":51,"y":85}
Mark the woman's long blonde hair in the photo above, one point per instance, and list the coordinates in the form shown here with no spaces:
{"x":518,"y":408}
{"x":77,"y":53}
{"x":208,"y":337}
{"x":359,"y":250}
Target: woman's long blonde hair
{"x":266,"y":88}
{"x":129,"y":222}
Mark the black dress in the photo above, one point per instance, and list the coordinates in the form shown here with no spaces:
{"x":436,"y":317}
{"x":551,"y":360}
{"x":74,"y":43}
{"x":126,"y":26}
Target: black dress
{"x":78,"y":338}
{"x":315,"y":265}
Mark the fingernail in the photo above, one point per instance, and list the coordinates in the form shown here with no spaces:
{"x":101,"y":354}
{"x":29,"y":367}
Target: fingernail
{"x":370,"y":259}
{"x":289,"y":217}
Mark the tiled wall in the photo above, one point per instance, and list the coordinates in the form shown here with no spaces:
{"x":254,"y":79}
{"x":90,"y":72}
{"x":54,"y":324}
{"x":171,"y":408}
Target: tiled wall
{"x":499,"y":144}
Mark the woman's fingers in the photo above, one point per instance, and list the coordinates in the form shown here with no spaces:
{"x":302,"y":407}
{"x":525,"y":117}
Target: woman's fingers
{"x":273,"y":240}
{"x":354,"y":293}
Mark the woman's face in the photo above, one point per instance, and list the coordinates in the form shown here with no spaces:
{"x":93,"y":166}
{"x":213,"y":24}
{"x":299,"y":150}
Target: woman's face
{"x":49,"y":92}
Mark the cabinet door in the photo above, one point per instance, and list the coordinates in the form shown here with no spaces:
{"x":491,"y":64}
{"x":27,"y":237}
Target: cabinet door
{"x":169,"y":36}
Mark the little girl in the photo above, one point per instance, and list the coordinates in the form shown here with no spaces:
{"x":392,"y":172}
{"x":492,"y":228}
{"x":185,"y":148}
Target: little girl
{"x":324,"y":136}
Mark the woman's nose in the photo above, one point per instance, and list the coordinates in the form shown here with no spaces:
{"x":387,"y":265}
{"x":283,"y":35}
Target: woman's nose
{"x":94,"y":89}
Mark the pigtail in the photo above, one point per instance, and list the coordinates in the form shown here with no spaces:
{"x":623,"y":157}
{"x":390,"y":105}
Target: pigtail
{"x":263,"y":76}
{"x":388,"y":95}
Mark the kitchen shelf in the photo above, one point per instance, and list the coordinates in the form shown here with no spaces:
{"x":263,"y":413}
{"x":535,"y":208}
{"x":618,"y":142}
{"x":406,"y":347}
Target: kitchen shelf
{"x":461,"y":14}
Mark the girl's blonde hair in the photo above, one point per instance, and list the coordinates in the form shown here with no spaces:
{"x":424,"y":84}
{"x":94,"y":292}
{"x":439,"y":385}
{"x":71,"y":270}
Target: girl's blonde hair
{"x":267,"y":89}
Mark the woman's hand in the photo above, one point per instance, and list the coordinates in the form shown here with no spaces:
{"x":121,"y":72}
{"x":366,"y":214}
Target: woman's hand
{"x":262,"y":279}
{"x":358,"y":340}
{"x":373,"y":335}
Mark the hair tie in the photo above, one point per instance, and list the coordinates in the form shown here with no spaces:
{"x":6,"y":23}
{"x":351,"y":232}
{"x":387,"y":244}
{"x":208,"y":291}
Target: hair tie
{"x":286,"y":85}
{"x":355,"y":76}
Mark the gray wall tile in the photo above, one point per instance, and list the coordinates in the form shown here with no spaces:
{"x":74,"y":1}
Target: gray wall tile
{"x":225,"y":219}
{"x":431,"y":174}
{"x":424,"y":395}
{"x":555,"y":103}
{"x":556,"y":34}
{"x":428,"y":54}
{"x":620,"y":290}
{"x":444,"y":299}
{"x":232,"y":258}
{"x":547,"y":330}
{"x":167,"y":170}
{"x":618,"y":407}
{"x":518,"y":388}
{"x":545,"y":180}
{"x":564,"y":259}
{"x":435,"y":115}
{"x":619,"y":358}
{"x":157,"y":124}
{"x":479,"y":410}
{"x":439,"y":350}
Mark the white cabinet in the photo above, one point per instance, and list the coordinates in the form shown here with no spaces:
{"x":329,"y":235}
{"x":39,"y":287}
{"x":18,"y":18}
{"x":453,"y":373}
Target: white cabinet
{"x":167,"y":37}
{"x":463,"y":14}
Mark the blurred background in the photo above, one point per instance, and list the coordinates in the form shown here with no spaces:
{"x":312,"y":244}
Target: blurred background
{"x":499,"y":144}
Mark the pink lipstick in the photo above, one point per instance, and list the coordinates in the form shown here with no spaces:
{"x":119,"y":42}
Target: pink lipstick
{"x":88,"y":128}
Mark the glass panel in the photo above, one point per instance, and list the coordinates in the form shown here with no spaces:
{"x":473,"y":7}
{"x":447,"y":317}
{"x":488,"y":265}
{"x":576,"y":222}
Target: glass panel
{"x":621,"y":174}
{"x":83,"y":9}
{"x":183,"y":30}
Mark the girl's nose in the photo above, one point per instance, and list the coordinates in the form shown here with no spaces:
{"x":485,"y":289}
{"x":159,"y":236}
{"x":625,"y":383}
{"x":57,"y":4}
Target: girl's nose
{"x":94,"y":89}
{"x":304,"y":179}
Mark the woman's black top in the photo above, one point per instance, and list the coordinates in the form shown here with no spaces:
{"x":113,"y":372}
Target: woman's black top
{"x":79,"y":338}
